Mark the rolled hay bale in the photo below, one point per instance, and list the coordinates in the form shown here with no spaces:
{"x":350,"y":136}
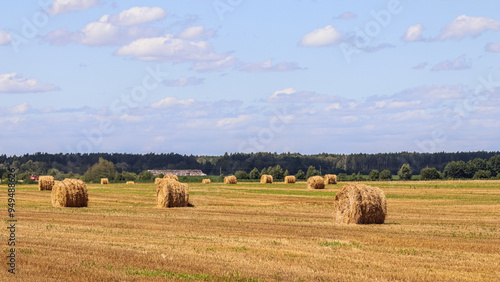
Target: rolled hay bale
{"x":130,"y":182}
{"x":157,"y":180}
{"x":290,"y":179}
{"x":360,"y":204}
{"x":104,"y":181}
{"x":230,"y":180}
{"x":206,"y":181}
{"x":171,"y":176}
{"x":266,"y":178}
{"x":315,"y":182}
{"x":330,"y":179}
{"x":45,"y":182}
{"x":69,"y":193}
{"x":171,"y":193}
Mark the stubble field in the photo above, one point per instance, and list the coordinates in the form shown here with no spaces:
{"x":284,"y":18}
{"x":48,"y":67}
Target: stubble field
{"x":443,"y":230}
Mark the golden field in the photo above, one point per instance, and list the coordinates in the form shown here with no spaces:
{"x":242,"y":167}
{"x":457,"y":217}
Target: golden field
{"x":442,"y":230}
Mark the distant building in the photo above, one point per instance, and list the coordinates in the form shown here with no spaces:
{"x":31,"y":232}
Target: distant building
{"x":178,"y":172}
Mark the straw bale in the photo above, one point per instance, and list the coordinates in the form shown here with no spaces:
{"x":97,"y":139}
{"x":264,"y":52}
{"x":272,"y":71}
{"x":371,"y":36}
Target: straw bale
{"x":104,"y":181}
{"x":45,"y":182}
{"x":206,"y":181}
{"x":69,"y":193}
{"x":171,"y":176}
{"x":266,"y":178}
{"x":130,"y":182}
{"x":315,"y":182}
{"x":330,"y":179}
{"x":230,"y":180}
{"x":171,"y":193}
{"x":360,"y":204}
{"x":290,"y":179}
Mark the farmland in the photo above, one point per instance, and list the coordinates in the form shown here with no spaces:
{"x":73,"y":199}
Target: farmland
{"x":440,"y":230}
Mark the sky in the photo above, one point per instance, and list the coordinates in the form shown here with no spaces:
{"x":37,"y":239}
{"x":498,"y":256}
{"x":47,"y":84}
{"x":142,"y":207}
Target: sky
{"x":206,"y":77}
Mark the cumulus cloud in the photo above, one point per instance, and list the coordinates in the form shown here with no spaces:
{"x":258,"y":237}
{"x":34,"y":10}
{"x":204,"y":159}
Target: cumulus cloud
{"x":65,"y":6}
{"x":15,"y":83}
{"x":170,"y":102}
{"x":138,"y":15}
{"x":290,"y":95}
{"x":195,"y":32}
{"x":414,"y":33}
{"x":493,"y":47}
{"x":20,"y":109}
{"x":183,"y":81}
{"x":346,"y":16}
{"x":463,"y":26}
{"x":459,"y":63}
{"x":267,"y":66}
{"x":4,"y":38}
{"x":225,"y":62}
{"x":322,"y":37}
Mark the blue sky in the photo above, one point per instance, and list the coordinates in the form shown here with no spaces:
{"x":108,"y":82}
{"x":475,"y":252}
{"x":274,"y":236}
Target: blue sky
{"x":212,"y":76}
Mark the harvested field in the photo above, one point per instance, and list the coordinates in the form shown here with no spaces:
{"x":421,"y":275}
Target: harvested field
{"x":440,"y":230}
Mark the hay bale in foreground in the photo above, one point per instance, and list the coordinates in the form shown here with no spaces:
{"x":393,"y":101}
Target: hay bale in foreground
{"x":230,"y":180}
{"x":266,"y":178}
{"x":104,"y":181}
{"x":290,"y":179}
{"x":45,"y":182}
{"x":360,"y":204}
{"x":157,"y":180}
{"x":171,"y":176}
{"x":206,"y":181}
{"x":330,"y":179}
{"x":171,"y":193}
{"x":130,"y":182}
{"x":315,"y":182}
{"x":69,"y":193}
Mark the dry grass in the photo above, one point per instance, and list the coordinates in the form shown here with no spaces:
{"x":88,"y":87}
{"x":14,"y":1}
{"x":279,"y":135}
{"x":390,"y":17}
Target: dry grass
{"x":157,"y":180}
{"x":266,"y":178}
{"x":69,"y":193}
{"x":230,"y":180}
{"x":45,"y":182}
{"x":434,"y":231}
{"x":316,"y":182}
{"x":104,"y":181}
{"x":290,"y":179}
{"x":330,"y":179}
{"x":171,"y":193}
{"x":360,"y":204}
{"x":206,"y":181}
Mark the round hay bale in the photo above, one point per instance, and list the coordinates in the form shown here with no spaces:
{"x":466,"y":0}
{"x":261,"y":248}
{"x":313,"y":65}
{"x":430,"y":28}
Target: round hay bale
{"x":330,"y":179}
{"x":230,"y":180}
{"x":157,"y":180}
{"x":266,"y":178}
{"x":104,"y":181}
{"x":360,"y":204}
{"x":290,"y":179}
{"x":69,"y":193}
{"x":315,"y":182}
{"x":171,"y":193}
{"x":45,"y":182}
{"x":171,"y":176}
{"x":206,"y":181}
{"x":130,"y":182}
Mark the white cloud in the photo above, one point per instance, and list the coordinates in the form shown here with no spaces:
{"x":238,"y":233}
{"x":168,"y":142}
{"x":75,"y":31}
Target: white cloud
{"x":183,"y":81}
{"x":284,"y":92}
{"x":20,"y":109}
{"x":138,"y":15}
{"x":4,"y":38}
{"x":267,"y":66}
{"x":195,"y":32}
{"x":234,"y":122}
{"x":414,"y":33}
{"x":225,"y":62}
{"x":170,"y":102}
{"x":15,"y":83}
{"x":322,"y":37}
{"x":459,"y":63}
{"x":346,"y":16}
{"x":493,"y":47}
{"x":290,"y":95}
{"x":65,"y":6}
{"x":131,"y":118}
{"x":464,"y":25}
{"x":334,"y":106}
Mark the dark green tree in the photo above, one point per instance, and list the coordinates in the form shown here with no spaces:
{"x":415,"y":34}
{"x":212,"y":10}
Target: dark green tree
{"x":311,"y":171}
{"x":429,"y":173}
{"x":494,"y":164}
{"x":405,"y":172}
{"x":342,"y":177}
{"x":286,"y":173}
{"x":455,"y":170}
{"x":241,"y":174}
{"x":385,"y":175}
{"x":145,"y":176}
{"x":374,"y":174}
{"x":254,"y":174}
{"x":102,"y":169}
{"x":300,"y":174}
{"x":482,"y":174}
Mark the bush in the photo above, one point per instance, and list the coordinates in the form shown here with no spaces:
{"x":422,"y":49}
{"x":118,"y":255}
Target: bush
{"x":312,"y":171}
{"x":300,"y":174}
{"x":429,"y":173}
{"x":342,"y":177}
{"x":482,"y":174}
{"x":405,"y":172}
{"x":385,"y":175}
{"x":254,"y":174}
{"x":374,"y":175}
{"x":240,"y":174}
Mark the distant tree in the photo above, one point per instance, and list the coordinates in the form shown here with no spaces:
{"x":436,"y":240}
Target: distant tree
{"x":342,"y":177}
{"x":145,"y":176}
{"x":160,"y":175}
{"x":300,"y":174}
{"x":429,"y":173}
{"x":53,"y":172}
{"x":494,"y":164}
{"x":385,"y":175}
{"x":482,"y":174}
{"x":127,"y":176}
{"x":264,"y":171}
{"x":311,"y":171}
{"x":455,"y":170}
{"x":353,"y":177}
{"x":473,"y":166}
{"x":240,"y":174}
{"x":286,"y":173}
{"x":374,"y":174}
{"x":405,"y":172}
{"x":26,"y":177}
{"x":102,"y":169}
{"x":276,"y":172}
{"x":254,"y":174}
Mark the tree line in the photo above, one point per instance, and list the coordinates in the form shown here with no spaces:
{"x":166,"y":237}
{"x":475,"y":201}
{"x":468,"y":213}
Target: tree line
{"x":462,"y":165}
